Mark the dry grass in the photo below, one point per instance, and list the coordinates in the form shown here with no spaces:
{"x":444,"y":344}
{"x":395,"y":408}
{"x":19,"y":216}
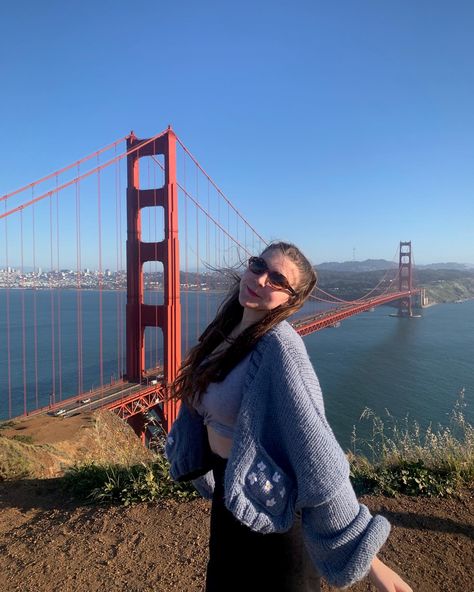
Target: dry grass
{"x":20,"y":460}
{"x":102,"y":438}
{"x":439,"y":460}
{"x":115,"y":442}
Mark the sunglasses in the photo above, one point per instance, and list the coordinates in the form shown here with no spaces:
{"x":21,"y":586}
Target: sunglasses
{"x":277,"y":280}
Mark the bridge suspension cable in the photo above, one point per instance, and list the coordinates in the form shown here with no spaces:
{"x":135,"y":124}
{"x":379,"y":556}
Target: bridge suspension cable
{"x":64,"y":169}
{"x":79,"y":177}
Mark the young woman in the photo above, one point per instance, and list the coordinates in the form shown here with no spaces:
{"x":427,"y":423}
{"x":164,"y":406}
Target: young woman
{"x":252,"y":435}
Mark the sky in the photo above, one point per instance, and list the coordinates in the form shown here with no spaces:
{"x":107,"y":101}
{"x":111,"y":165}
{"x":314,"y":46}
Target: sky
{"x":342,"y":126}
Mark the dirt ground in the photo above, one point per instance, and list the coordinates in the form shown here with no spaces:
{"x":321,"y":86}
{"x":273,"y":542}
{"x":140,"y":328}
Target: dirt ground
{"x":50,"y":543}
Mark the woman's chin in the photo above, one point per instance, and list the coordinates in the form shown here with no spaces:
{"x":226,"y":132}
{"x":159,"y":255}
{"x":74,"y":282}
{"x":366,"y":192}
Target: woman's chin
{"x":246,"y":300}
{"x":246,"y":303}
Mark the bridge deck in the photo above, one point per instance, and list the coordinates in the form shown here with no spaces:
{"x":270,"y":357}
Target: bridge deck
{"x":328,"y":318}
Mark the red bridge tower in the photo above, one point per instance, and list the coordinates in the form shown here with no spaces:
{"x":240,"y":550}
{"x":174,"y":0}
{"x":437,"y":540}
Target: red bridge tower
{"x":138,"y":314}
{"x":405,"y":279}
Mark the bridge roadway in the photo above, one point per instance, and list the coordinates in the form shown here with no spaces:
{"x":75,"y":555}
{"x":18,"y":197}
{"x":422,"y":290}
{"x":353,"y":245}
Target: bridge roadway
{"x":328,"y":318}
{"x":110,"y":396}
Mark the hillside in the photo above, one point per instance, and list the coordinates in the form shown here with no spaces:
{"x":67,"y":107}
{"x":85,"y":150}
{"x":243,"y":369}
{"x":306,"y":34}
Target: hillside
{"x":442,"y":285}
{"x":383,"y":264}
{"x":50,"y":542}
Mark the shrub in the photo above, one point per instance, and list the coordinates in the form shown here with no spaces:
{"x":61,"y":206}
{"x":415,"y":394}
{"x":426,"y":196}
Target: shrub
{"x":23,"y":438}
{"x":144,"y":482}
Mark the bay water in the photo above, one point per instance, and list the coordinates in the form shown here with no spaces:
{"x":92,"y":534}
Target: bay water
{"x":397,"y":367}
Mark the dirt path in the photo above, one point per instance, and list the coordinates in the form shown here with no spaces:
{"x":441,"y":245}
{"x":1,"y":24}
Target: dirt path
{"x":48,"y":543}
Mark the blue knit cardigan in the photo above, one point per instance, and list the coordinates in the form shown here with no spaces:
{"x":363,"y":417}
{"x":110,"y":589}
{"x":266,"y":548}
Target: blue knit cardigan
{"x":284,"y":459}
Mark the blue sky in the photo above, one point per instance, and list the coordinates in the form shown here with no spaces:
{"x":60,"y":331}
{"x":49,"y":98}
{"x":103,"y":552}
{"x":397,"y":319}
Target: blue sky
{"x":342,"y":126}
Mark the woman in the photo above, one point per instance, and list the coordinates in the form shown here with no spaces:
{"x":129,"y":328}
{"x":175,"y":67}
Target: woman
{"x":252,"y":434}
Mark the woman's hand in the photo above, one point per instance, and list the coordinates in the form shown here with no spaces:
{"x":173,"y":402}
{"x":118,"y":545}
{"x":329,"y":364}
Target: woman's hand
{"x":385,"y":579}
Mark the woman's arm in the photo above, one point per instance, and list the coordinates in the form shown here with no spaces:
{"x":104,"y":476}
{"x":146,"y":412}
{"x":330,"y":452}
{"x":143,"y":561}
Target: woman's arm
{"x":385,"y":579}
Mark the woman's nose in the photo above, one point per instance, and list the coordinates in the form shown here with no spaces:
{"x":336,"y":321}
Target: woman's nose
{"x":262,"y":279}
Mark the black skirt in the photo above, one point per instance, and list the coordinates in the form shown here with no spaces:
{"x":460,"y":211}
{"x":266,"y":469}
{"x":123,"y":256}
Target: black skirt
{"x":244,"y":560}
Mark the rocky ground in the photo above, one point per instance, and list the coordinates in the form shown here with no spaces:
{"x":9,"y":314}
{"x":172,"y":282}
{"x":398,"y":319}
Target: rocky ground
{"x":51,"y":543}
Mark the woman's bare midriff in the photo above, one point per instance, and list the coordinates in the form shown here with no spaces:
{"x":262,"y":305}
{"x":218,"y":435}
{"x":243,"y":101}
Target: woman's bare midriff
{"x":219,"y":444}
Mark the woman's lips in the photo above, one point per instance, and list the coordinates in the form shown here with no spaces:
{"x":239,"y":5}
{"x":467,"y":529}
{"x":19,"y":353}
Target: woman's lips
{"x":252,"y":293}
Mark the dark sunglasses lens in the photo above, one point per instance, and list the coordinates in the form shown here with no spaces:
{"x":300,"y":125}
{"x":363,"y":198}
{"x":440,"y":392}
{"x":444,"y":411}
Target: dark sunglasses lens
{"x":257,"y":265}
{"x":278,"y":280}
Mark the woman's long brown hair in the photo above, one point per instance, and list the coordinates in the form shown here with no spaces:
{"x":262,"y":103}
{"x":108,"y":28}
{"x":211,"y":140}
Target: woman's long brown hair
{"x":193,"y":377}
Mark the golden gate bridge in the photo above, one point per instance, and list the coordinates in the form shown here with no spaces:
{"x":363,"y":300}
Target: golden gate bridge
{"x":166,"y":240}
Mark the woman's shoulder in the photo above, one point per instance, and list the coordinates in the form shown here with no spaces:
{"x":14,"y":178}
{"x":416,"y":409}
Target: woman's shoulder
{"x":283,"y":336}
{"x":281,"y":342}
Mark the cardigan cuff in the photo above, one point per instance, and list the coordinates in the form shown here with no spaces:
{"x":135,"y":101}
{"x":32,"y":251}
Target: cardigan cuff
{"x":358,"y":563}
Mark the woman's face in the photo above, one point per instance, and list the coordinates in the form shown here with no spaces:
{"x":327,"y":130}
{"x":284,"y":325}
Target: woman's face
{"x":257,"y":296}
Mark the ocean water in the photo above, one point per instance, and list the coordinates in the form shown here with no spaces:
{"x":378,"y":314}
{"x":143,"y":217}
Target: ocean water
{"x":407,"y":368}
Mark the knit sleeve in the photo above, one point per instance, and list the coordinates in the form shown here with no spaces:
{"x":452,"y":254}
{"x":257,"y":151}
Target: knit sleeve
{"x":187,"y":449}
{"x":342,"y":537}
